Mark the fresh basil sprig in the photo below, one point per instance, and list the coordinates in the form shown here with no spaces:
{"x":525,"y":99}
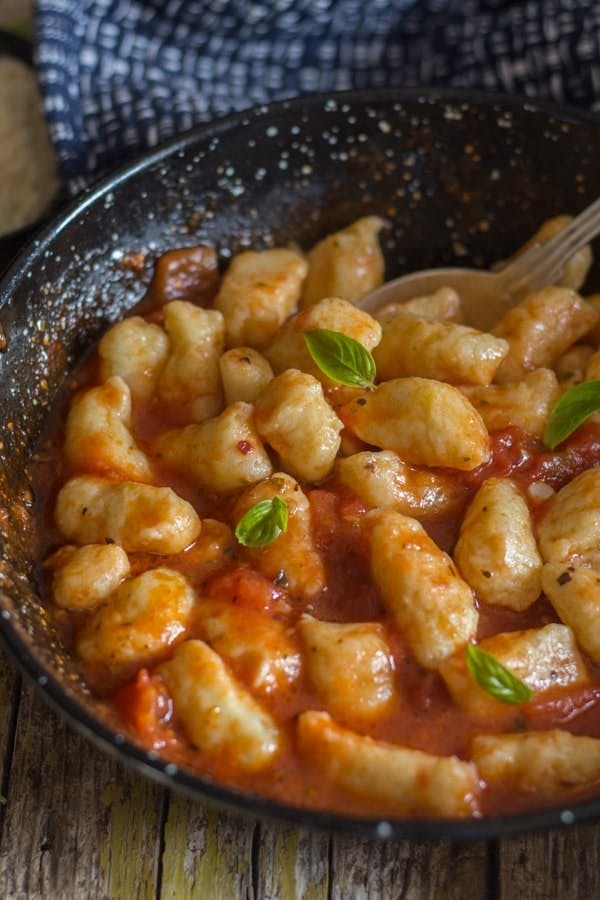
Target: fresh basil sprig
{"x":262,"y":523}
{"x":341,"y":358}
{"x":495,"y":678}
{"x":570,"y":411}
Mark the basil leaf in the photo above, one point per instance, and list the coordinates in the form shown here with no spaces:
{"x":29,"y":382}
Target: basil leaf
{"x":341,"y":357}
{"x":263,"y":522}
{"x":570,"y":411}
{"x":495,"y":678}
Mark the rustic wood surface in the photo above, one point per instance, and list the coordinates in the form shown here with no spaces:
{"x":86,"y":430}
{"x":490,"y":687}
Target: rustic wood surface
{"x":75,"y":824}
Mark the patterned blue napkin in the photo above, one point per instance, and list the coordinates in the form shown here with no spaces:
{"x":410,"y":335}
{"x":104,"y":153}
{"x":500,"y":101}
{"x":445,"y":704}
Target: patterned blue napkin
{"x":121,"y":75}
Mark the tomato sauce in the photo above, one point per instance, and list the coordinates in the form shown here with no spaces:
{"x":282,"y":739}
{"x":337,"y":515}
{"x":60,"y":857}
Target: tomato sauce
{"x":423,"y":715}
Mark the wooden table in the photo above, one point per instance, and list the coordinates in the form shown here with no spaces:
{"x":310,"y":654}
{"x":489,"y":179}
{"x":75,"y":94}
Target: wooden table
{"x":76,"y":825}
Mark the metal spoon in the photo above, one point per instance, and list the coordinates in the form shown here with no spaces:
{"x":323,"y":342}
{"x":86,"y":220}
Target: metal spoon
{"x":486,"y":296}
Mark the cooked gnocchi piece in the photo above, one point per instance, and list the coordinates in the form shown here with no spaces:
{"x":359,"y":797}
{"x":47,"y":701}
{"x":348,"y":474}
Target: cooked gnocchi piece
{"x":289,"y":351}
{"x":138,"y":624}
{"x":263,"y":651}
{"x":576,"y":268}
{"x":293,"y":559}
{"x":574,"y":592}
{"x":381,"y":479}
{"x":217,"y":713}
{"x":214,"y":548}
{"x":549,"y":763}
{"x":421,"y":587}
{"x":190,"y":382}
{"x":496,"y":552}
{"x":442,"y":305}
{"x":83,"y":577}
{"x":346,"y":264}
{"x":221,"y":454}
{"x":257,"y":294}
{"x":98,"y":434}
{"x":351,"y":666}
{"x":136,"y":351}
{"x":426,"y":422}
{"x":541,"y":328}
{"x":592,"y":369}
{"x":525,"y":403}
{"x":571,"y":367}
{"x":569,"y":528}
{"x":443,"y":350}
{"x":546,"y":659}
{"x":293,"y":417}
{"x":141,"y":518}
{"x":402,"y":779}
{"x":245,"y":373}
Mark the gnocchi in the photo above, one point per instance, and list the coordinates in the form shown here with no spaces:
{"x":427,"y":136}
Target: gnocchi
{"x":356,"y":579}
{"x":98,"y":434}
{"x":421,"y":587}
{"x":294,"y":418}
{"x":352,"y":668}
{"x":346,"y":264}
{"x":217,"y":713}
{"x":546,"y":659}
{"x":190,"y":381}
{"x":137,"y":624}
{"x":425,"y":421}
{"x":294,"y":559}
{"x":139,"y":517}
{"x":221,"y":454}
{"x":496,"y":552}
{"x":398,"y":777}
{"x":258,"y":293}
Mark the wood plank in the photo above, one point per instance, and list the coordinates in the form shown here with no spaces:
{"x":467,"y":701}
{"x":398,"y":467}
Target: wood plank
{"x":292,"y":863}
{"x":10,"y":684}
{"x":206,"y":853}
{"x":10,"y":693}
{"x":555,"y":865}
{"x":409,"y":870}
{"x":77,"y":824}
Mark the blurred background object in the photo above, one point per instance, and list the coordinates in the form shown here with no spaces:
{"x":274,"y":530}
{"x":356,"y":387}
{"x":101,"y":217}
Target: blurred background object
{"x":29,"y":181}
{"x":16,"y":14}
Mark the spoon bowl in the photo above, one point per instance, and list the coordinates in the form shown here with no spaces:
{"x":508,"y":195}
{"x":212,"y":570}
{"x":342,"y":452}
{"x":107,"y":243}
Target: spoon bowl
{"x":481,"y":295}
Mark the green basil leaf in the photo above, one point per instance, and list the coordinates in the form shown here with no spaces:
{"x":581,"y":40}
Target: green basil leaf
{"x":341,"y":358}
{"x":495,"y":678}
{"x":263,"y":522}
{"x":570,"y":411}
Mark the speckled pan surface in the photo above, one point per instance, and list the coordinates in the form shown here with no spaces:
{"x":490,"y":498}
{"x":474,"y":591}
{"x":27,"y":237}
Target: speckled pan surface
{"x":461,"y":178}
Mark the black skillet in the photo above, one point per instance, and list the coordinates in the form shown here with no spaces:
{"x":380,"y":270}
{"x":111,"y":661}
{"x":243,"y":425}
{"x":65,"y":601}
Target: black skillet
{"x":462,"y":179}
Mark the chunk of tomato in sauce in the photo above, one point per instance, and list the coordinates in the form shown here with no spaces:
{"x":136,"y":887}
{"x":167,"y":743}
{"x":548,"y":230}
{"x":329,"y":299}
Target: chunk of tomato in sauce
{"x":146,"y":708}
{"x":246,"y":588}
{"x":519,"y":455}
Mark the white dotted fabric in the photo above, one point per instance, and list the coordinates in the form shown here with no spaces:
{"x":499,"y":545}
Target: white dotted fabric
{"x":118,"y":76}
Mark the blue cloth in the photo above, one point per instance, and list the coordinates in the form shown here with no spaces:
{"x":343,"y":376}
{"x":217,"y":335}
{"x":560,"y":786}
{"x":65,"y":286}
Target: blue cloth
{"x":121,"y":75}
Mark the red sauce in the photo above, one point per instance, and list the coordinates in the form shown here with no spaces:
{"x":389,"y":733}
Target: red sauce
{"x":423,"y":715}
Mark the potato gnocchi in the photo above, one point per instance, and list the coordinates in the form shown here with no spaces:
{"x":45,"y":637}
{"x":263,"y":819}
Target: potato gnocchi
{"x":325,"y":592}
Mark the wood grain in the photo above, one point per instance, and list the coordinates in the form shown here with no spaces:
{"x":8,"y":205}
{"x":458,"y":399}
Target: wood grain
{"x":408,"y":870}
{"x":556,"y":865}
{"x":77,"y":825}
{"x":206,"y":853}
{"x":292,"y":863}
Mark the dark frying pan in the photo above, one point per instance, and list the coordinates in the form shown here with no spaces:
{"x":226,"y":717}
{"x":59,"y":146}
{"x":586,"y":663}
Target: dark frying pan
{"x":455,"y":174}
